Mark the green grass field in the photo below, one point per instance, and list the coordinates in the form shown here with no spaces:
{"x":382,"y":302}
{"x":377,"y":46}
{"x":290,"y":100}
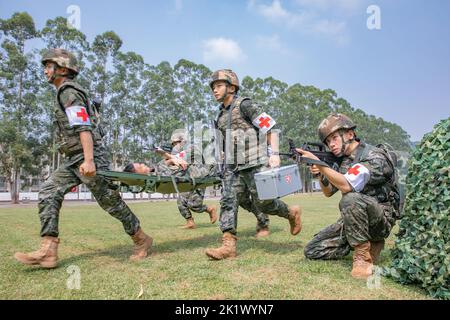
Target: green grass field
{"x":94,"y":242}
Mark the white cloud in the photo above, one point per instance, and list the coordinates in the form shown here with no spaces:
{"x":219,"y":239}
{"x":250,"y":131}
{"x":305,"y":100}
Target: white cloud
{"x":276,"y":13}
{"x":222,"y":50}
{"x":342,"y":6}
{"x":272,"y":43}
{"x":334,"y":29}
{"x":308,"y":20}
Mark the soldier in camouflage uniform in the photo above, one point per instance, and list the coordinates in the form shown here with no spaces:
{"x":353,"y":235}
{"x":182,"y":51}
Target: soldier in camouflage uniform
{"x":172,"y":165}
{"x":80,"y":141}
{"x":191,"y":201}
{"x":246,"y":129}
{"x":262,"y":219}
{"x":370,"y":198}
{"x":194,"y":200}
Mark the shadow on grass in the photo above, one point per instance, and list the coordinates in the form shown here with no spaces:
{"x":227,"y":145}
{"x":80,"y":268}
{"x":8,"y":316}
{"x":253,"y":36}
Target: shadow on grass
{"x":246,"y":241}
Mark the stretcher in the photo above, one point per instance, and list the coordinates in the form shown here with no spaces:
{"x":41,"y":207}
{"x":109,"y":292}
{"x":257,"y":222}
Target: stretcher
{"x":137,"y":183}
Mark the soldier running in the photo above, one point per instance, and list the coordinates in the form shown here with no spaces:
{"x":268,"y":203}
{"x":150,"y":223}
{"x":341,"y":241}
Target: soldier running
{"x":240,"y":120}
{"x":80,"y":141}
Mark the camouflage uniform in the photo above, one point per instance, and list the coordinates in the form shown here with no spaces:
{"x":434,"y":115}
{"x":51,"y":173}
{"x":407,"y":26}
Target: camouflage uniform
{"x":238,"y":185}
{"x":70,"y":96}
{"x":368,"y":215}
{"x":262,"y":219}
{"x":192,"y":201}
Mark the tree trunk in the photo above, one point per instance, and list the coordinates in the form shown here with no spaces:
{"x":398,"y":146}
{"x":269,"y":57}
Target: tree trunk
{"x":15,"y":180}
{"x":115,"y":147}
{"x":11,"y":189}
{"x":14,"y":187}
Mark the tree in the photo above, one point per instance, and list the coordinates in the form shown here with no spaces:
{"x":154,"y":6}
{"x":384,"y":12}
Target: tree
{"x":127,"y":111}
{"x":159,"y":92}
{"x":18,"y":108}
{"x":103,"y":50}
{"x":193,"y":95}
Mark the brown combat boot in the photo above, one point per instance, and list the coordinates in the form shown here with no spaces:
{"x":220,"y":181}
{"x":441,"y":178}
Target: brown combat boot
{"x":212,"y":211}
{"x":295,"y":219}
{"x":262,"y":232}
{"x":362,"y":261}
{"x":227,"y":250}
{"x":190,"y":224}
{"x":375,"y":250}
{"x":142,"y":243}
{"x":46,"y":256}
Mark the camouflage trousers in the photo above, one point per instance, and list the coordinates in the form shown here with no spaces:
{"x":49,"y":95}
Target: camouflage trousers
{"x":191,"y":201}
{"x":68,"y":176}
{"x":262,"y":219}
{"x":239,"y":188}
{"x":362,"y":219}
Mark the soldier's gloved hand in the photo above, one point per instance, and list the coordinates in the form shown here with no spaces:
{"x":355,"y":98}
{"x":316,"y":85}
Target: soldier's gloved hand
{"x":274,"y":161}
{"x":87,"y":168}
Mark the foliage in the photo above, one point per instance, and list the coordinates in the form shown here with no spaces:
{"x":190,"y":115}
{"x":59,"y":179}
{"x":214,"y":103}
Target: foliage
{"x":422,"y":249}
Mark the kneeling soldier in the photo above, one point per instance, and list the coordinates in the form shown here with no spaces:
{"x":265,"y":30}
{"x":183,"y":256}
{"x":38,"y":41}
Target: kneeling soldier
{"x":370,"y":199}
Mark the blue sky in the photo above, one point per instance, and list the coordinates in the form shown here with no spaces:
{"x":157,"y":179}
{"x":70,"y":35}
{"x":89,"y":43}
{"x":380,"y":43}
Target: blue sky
{"x":400,"y":72}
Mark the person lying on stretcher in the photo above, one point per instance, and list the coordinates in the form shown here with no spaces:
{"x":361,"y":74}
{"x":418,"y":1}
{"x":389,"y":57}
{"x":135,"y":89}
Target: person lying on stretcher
{"x":175,"y":164}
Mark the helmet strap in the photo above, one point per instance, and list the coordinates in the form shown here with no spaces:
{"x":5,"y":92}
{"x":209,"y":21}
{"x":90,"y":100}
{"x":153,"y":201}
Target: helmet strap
{"x":222,"y":99}
{"x":56,"y":75}
{"x":346,"y":142}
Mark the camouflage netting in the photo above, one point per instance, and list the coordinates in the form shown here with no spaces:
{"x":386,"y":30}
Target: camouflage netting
{"x":422,"y":250}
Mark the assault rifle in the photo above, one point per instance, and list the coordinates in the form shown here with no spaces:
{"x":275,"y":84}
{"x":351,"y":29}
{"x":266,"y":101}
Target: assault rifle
{"x":97,"y":104}
{"x":326,"y":159}
{"x":163,"y":150}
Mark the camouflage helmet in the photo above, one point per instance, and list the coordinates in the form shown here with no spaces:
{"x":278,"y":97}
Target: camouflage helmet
{"x":224,"y":75}
{"x":178,"y":135}
{"x":62,"y":58}
{"x":332,"y":123}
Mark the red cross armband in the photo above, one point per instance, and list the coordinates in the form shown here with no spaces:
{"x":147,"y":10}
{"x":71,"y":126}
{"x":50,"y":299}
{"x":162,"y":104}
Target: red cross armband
{"x":181,"y":155}
{"x":264,"y":122}
{"x":78,"y":116}
{"x":358,"y":176}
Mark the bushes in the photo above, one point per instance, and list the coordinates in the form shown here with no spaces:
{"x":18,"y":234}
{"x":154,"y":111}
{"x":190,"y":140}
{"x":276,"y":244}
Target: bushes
{"x":422,"y":250}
